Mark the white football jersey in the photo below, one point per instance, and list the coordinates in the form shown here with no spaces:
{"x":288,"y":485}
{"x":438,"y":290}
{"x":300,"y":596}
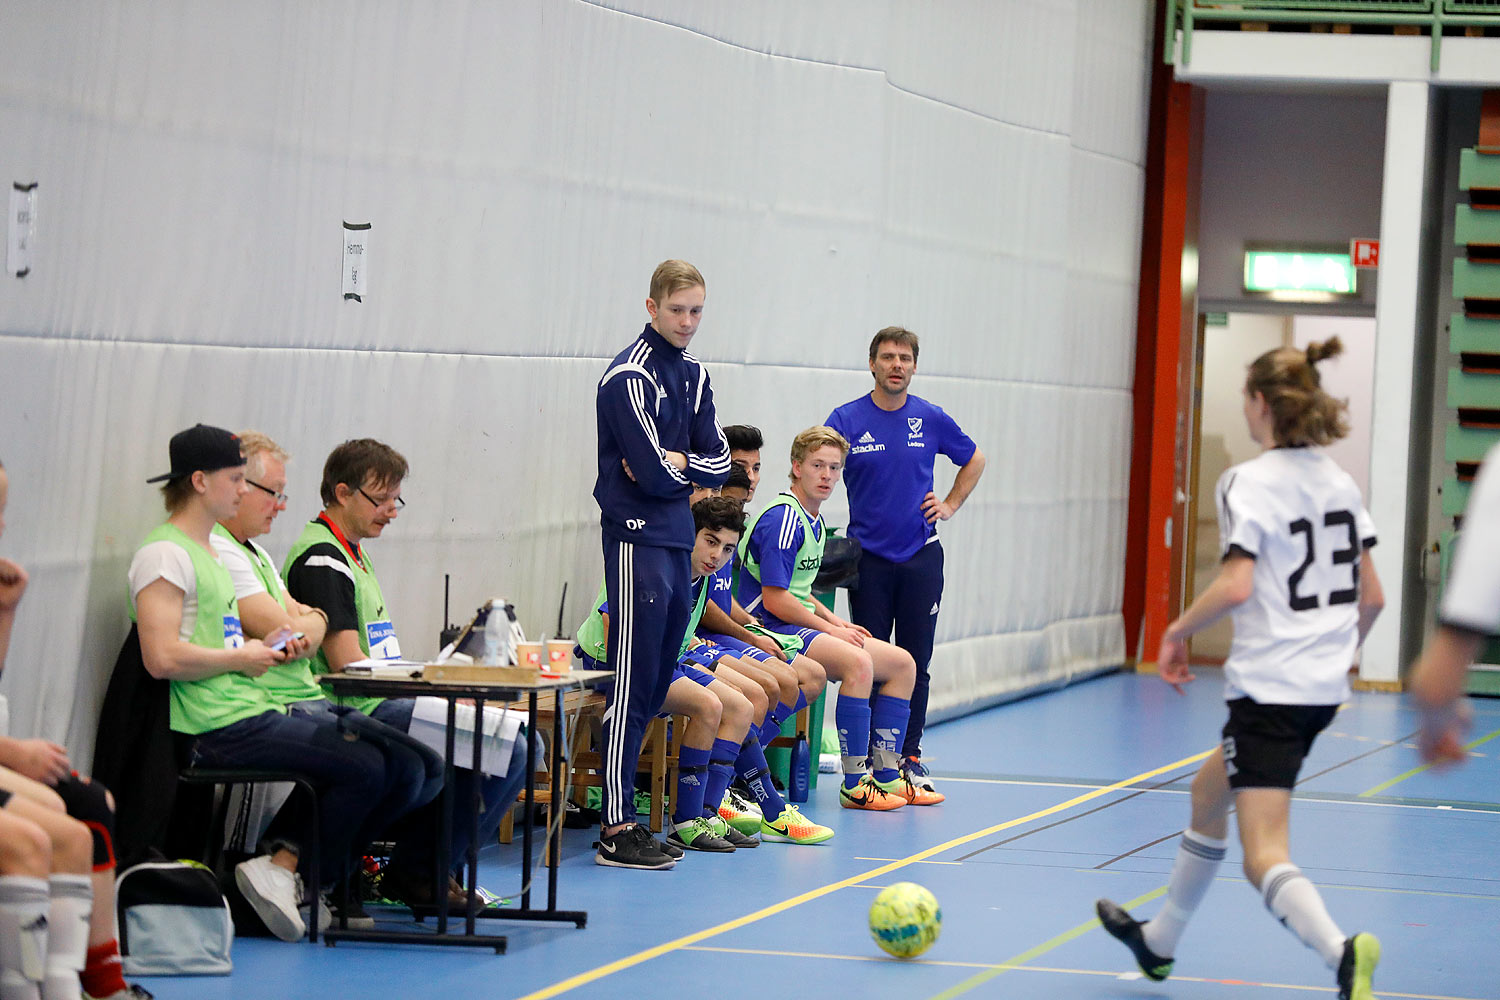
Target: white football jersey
{"x":1302,"y":518}
{"x":1471,"y":598}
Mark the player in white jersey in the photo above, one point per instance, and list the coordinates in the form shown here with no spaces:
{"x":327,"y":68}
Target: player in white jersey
{"x":1298,"y":580}
{"x":1470,"y":612}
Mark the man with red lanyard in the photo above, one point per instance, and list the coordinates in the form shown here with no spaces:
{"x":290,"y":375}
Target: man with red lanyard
{"x":329,"y":569}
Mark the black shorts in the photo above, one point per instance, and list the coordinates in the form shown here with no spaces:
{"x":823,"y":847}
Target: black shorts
{"x":1264,"y":745}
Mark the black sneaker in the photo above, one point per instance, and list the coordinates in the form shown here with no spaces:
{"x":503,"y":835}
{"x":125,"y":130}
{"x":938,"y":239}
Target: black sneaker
{"x":1361,"y":955}
{"x":1127,"y":930}
{"x":729,"y":833}
{"x":668,"y":848}
{"x":632,"y":847}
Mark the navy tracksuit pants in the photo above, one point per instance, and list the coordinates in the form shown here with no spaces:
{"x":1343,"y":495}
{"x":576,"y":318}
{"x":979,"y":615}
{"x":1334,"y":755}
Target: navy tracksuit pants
{"x":649,"y":591}
{"x":904,"y":595}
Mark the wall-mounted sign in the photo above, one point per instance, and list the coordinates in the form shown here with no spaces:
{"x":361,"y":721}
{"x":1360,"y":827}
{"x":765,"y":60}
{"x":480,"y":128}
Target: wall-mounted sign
{"x":1299,"y":275}
{"x":1365,"y":253}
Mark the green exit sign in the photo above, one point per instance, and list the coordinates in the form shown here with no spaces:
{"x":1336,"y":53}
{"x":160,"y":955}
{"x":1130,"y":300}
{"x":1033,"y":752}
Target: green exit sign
{"x":1299,"y":275}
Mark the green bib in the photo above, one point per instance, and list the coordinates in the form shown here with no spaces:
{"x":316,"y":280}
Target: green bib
{"x":377,"y":637}
{"x":288,"y":682}
{"x":593,"y":641}
{"x":591,"y":636}
{"x":211,"y":703}
{"x":809,"y":556}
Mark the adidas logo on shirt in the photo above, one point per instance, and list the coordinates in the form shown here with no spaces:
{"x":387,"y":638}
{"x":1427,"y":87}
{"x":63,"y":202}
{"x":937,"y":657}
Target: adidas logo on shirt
{"x":866,"y":443}
{"x":934,"y":609}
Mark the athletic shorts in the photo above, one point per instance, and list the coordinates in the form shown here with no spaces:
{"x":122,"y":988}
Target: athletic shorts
{"x":793,"y":638}
{"x":692,"y":671}
{"x":1264,"y":745}
{"x":730,"y":646}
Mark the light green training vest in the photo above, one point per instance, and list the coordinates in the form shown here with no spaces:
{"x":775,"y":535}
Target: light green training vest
{"x":809,"y":556}
{"x":288,"y":682}
{"x":375,"y":630}
{"x":211,"y":703}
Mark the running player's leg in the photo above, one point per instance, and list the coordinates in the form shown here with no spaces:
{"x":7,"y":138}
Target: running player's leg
{"x":1199,"y":853}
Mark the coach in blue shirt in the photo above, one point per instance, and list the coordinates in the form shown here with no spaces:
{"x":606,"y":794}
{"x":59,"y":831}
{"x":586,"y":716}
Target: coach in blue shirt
{"x":894,"y":440}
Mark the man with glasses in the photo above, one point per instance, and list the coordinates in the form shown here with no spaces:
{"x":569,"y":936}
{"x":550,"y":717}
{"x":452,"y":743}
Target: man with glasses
{"x":329,"y":568}
{"x":413,"y":771}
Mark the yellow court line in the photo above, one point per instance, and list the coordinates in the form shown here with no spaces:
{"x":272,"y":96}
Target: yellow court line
{"x":619,"y":965}
{"x":1419,"y":769}
{"x":1004,"y":967}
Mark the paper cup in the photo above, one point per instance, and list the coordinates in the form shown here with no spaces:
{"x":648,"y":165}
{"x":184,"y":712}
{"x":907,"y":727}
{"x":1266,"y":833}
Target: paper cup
{"x":529,"y":654}
{"x":559,"y":656}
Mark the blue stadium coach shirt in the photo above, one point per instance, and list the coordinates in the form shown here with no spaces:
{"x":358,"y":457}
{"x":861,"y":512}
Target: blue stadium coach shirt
{"x":655,"y":398}
{"x":889,"y":470}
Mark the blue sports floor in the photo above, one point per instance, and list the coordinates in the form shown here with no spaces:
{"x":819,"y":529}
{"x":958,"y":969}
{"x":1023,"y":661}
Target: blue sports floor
{"x":1053,"y":801}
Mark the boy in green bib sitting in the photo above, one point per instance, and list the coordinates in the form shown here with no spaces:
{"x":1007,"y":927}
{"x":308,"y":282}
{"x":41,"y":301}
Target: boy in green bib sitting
{"x":780,"y":555}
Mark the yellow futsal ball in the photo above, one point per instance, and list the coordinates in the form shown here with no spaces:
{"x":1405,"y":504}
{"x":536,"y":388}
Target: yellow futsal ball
{"x":905,"y":919}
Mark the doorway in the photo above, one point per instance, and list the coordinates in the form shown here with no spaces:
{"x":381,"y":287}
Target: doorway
{"x":1228,"y":343}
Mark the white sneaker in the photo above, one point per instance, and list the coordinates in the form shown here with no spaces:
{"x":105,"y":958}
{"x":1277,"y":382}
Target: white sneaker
{"x":273,"y":892}
{"x":325,"y":915}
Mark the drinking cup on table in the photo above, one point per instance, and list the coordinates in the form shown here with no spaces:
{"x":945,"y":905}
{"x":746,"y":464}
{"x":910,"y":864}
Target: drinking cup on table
{"x":529,"y":654}
{"x":559,"y":656}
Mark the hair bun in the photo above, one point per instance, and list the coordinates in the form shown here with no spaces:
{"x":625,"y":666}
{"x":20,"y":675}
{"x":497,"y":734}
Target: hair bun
{"x":1330,"y":348}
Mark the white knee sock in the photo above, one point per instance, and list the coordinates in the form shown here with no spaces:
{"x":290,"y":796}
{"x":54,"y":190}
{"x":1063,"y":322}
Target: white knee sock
{"x":1198,"y":857}
{"x":23,"y":936}
{"x":67,"y":935}
{"x":1294,"y":901}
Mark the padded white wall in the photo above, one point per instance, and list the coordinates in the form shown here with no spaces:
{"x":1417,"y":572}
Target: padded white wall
{"x":970,"y":169}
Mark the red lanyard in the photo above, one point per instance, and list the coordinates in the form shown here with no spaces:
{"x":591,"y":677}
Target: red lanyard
{"x":353,"y":550}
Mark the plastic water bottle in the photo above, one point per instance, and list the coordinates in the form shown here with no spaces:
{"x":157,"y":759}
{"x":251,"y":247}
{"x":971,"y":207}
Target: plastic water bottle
{"x":798,"y":769}
{"x":496,"y":634}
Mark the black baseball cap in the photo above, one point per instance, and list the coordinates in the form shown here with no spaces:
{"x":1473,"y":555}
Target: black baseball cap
{"x":201,"y":448}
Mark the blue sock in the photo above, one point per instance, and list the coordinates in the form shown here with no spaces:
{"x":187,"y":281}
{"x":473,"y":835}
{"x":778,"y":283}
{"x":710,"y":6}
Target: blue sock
{"x":720,"y":774}
{"x":692,"y":774}
{"x":770,"y":726}
{"x":751,"y":765}
{"x":887,"y":726}
{"x":801,"y":702}
{"x":852,"y":716}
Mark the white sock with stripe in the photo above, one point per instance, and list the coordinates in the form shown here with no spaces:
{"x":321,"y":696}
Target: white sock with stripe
{"x":1198,"y":859}
{"x":1295,"y":901}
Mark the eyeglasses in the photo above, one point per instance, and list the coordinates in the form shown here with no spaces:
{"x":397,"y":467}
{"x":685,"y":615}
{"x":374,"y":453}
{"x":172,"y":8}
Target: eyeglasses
{"x":279,"y":497}
{"x":381,"y":503}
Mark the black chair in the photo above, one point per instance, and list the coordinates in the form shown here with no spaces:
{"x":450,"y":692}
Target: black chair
{"x":228,"y":777}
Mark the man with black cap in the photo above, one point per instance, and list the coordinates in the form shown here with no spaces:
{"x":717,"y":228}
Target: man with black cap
{"x":183,"y":601}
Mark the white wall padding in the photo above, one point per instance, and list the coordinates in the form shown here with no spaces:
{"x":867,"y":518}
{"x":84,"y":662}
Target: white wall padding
{"x":972,"y":170}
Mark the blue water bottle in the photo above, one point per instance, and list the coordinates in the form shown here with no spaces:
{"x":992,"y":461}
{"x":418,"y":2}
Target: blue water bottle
{"x":798,"y":769}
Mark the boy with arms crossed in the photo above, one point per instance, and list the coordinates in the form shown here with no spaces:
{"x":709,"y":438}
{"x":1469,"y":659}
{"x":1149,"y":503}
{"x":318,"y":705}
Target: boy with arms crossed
{"x":657,"y":433}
